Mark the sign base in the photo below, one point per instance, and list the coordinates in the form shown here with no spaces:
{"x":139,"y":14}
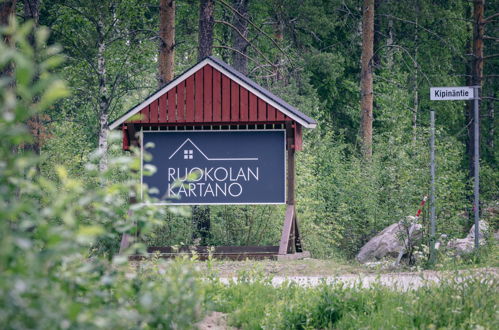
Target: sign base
{"x":220,"y":253}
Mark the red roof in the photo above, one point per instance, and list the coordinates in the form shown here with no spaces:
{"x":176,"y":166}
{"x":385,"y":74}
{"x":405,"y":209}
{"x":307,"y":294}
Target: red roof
{"x":212,"y":92}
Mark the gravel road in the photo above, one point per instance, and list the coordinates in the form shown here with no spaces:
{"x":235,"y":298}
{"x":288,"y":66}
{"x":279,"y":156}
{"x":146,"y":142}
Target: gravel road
{"x":400,"y":281}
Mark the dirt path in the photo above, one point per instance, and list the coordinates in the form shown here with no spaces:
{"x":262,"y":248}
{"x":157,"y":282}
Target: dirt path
{"x":214,"y":321}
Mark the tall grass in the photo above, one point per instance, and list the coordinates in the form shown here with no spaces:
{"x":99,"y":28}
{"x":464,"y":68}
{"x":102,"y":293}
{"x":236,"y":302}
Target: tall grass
{"x":456,"y":302}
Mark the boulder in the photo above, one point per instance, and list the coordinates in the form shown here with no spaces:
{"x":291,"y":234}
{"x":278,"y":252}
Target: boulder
{"x":390,"y":242}
{"x":466,"y":245}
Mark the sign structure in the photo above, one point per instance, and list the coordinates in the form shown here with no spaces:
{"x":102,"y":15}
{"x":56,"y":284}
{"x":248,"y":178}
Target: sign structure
{"x":217,"y":167}
{"x":248,"y":159}
{"x":451,"y":93}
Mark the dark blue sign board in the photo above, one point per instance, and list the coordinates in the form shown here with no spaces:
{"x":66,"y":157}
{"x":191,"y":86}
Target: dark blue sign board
{"x":217,"y":167}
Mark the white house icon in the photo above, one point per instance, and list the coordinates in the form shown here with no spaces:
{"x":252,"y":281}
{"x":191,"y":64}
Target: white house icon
{"x":189,"y":153}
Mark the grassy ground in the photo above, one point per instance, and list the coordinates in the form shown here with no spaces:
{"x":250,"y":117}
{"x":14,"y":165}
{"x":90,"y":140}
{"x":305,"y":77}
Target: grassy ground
{"x":254,"y":303}
{"x":464,"y":299}
{"x":487,"y":257}
{"x":306,"y":267}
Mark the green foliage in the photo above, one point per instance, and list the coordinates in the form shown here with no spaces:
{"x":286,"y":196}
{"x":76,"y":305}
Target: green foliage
{"x":486,"y":256}
{"x":230,"y":225}
{"x":306,"y":52}
{"x":343,"y":201}
{"x":456,"y":302}
{"x":50,"y":225}
{"x":251,"y":286}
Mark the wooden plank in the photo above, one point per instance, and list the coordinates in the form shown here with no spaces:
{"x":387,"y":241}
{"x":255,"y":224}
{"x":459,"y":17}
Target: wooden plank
{"x":218,"y":252}
{"x":153,"y":112}
{"x":144,"y":115}
{"x":133,"y":135}
{"x":162,"y":109}
{"x":189,"y":99}
{"x":294,"y":256}
{"x":298,"y":246}
{"x":126,"y":238}
{"x":286,"y":230}
{"x":217,"y":96}
{"x":280,"y":116}
{"x":234,"y":101}
{"x":203,"y":257}
{"x":243,"y":101}
{"x":262,"y":110}
{"x":298,"y":137}
{"x":291,"y":164}
{"x":216,"y":249}
{"x":225,"y":99}
{"x":198,"y":98}
{"x":288,"y":237}
{"x":126,"y":141}
{"x":172,"y":106}
{"x":181,"y":102}
{"x":253,"y":107}
{"x":207,"y":94}
{"x":271,"y":113}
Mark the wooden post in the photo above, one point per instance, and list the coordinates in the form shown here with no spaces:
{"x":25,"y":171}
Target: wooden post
{"x":290,"y":241}
{"x":290,"y":137}
{"x":134,"y":141}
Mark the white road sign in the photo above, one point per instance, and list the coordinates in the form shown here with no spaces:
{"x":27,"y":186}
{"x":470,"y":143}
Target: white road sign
{"x":451,"y":93}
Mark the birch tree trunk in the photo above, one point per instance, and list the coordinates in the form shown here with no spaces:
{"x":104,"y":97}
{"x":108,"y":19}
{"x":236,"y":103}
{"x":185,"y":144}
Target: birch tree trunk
{"x":103,"y":106}
{"x":166,"y":41}
{"x":366,"y":79}
{"x":206,"y":22}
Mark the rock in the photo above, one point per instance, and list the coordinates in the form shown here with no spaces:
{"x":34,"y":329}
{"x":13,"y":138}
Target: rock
{"x":483,"y":228}
{"x":466,"y":245}
{"x":461,"y":245}
{"x":389,"y":242}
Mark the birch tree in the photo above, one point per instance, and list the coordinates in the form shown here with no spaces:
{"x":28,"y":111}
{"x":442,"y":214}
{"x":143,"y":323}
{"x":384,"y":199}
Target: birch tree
{"x":107,"y":58}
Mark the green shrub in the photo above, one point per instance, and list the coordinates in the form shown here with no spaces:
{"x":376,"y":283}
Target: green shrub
{"x":50,"y":226}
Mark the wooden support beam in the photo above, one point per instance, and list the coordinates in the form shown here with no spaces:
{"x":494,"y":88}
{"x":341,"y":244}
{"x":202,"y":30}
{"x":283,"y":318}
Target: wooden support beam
{"x":290,"y":243}
{"x":290,"y":238}
{"x":126,"y":238}
{"x":287,"y":230}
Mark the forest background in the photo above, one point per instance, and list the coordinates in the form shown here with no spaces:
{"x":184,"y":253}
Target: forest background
{"x":308,"y":53}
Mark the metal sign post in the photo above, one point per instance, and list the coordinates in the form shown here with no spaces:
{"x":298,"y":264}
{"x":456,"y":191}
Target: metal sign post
{"x":463,"y":93}
{"x":432,"y":193}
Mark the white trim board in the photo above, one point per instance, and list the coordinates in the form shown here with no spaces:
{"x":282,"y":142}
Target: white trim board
{"x":191,"y":71}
